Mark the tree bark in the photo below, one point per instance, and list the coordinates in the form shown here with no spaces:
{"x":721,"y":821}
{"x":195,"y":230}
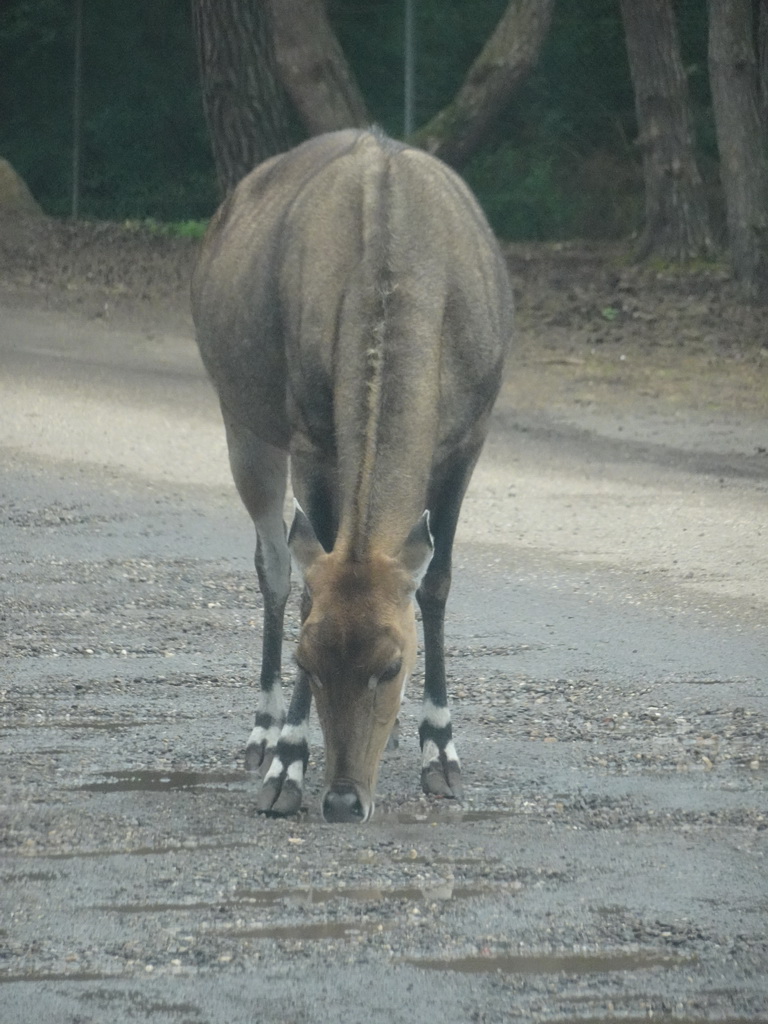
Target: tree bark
{"x":245,"y":105}
{"x":676,"y":218}
{"x":458,"y":130}
{"x":313,"y":68}
{"x":741,"y":140}
{"x":262,"y":59}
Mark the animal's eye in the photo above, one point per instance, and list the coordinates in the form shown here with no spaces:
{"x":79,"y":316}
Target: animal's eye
{"x":391,"y":671}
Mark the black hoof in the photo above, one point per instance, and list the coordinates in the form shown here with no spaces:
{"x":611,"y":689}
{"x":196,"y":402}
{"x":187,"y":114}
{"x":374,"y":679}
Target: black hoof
{"x":443,"y":780}
{"x":279,"y":797}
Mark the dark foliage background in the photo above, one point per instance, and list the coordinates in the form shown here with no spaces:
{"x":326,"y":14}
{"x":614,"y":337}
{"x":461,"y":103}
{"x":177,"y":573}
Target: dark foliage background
{"x":560,"y":163}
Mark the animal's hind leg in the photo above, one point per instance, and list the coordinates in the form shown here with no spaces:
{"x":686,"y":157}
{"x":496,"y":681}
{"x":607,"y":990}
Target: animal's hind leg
{"x":440,"y":766}
{"x":260,"y":472}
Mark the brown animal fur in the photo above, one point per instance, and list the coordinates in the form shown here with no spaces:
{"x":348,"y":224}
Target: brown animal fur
{"x":352,"y":308}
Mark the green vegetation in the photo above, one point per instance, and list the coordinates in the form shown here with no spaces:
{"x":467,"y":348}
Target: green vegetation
{"x":560,"y":162}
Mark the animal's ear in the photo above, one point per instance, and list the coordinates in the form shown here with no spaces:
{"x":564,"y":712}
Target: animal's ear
{"x":302,"y":542}
{"x":416,"y":553}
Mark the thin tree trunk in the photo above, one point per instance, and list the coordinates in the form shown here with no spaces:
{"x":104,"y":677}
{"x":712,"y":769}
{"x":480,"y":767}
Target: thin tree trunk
{"x":676,"y":219}
{"x":762,"y":59}
{"x":457,"y":131}
{"x":313,"y":68}
{"x":245,"y":105}
{"x":77,"y":111}
{"x":741,"y":140}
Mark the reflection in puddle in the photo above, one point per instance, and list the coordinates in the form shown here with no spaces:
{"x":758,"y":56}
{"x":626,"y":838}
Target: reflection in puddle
{"x":37,"y":976}
{"x":431,"y":892}
{"x":697,"y":682}
{"x":319,"y":930}
{"x":441,"y":813}
{"x":157,"y":782}
{"x":193,"y":846}
{"x":110,"y":725}
{"x":155,"y":908}
{"x":415,"y":858}
{"x":173,"y":850}
{"x":656,"y":1020}
{"x":552,"y":963}
{"x":29,"y":876}
{"x":436,"y":890}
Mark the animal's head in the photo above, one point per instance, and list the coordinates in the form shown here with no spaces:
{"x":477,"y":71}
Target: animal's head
{"x":358,"y":647}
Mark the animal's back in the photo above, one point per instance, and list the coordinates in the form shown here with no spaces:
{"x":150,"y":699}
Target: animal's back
{"x":351,"y":295}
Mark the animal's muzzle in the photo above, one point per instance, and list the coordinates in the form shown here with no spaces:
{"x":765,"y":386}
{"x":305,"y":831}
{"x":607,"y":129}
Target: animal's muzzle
{"x":343,"y":804}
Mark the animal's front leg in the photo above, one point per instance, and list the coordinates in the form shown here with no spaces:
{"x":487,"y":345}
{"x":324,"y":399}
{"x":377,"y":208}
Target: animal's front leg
{"x":259,"y":471}
{"x":273,"y":569}
{"x":440,"y":766}
{"x":283,"y":784}
{"x":270,"y":719}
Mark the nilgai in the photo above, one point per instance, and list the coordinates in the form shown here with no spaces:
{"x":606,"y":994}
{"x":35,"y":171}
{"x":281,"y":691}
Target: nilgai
{"x":352,"y":309}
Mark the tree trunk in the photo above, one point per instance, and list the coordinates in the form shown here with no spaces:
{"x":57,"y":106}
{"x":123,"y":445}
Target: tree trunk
{"x":313,"y":68}
{"x":762,"y":59}
{"x":741,"y":140}
{"x":458,"y":130}
{"x":245,"y":105}
{"x":676,"y":219}
{"x":255,"y":54}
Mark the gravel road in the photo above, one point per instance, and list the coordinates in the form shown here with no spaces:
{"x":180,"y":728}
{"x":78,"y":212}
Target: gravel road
{"x":608,"y":655}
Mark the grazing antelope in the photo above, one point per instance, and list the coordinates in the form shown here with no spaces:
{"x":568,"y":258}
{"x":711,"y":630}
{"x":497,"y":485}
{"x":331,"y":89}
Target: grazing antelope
{"x":352,"y":309}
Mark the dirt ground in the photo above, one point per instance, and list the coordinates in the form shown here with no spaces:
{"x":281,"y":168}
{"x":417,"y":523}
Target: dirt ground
{"x":593,"y":329}
{"x":607,"y":648}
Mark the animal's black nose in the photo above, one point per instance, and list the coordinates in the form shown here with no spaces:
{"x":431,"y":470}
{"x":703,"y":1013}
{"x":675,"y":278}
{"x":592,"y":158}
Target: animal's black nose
{"x":342,"y":804}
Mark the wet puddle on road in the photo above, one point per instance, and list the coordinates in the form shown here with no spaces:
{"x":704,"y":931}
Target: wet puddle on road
{"x":172,"y":850}
{"x":659,"y":1020}
{"x":312,"y":932}
{"x":38,"y":976}
{"x":415,"y":858}
{"x":159,"y":782}
{"x":546,"y":963}
{"x":243,"y":898}
{"x":438,"y":815}
{"x":696,"y":682}
{"x":109,"y":725}
{"x":146,"y":780}
{"x":366,"y":894}
{"x":28,"y":876}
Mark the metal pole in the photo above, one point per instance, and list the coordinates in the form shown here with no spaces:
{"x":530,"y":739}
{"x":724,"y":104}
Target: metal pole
{"x":410,"y":69}
{"x":77,"y":111}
